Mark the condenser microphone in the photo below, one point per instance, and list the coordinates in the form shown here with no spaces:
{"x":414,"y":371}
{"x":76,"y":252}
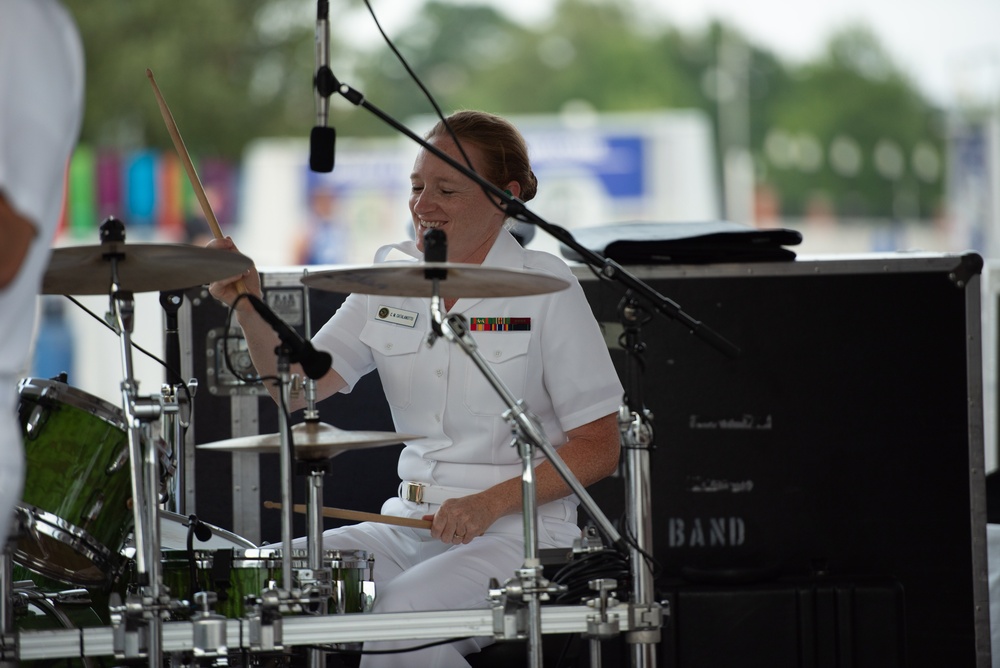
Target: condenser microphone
{"x":199,"y":529}
{"x":315,"y":363}
{"x":322,"y":139}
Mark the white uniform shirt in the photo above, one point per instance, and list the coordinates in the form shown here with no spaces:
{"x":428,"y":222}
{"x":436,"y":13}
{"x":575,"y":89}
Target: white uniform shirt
{"x":41,"y":108}
{"x":560,"y":367}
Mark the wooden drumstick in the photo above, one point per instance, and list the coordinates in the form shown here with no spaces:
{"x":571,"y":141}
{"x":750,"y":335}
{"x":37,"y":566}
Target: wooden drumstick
{"x":359,"y":516}
{"x":192,"y":175}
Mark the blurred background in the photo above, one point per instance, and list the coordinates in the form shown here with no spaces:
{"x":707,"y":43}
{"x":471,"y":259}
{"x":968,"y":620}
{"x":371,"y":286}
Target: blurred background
{"x":866,"y":126}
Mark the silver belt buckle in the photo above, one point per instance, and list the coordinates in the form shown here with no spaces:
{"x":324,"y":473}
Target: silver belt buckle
{"x":413,"y":492}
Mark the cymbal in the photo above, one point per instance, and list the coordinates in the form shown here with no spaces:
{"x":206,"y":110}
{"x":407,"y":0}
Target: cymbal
{"x":406,"y":279}
{"x":312,"y":441}
{"x":86,"y":270}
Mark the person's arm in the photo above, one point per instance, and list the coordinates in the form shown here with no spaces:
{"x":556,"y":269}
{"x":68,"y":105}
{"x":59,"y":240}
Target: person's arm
{"x":17,"y":233}
{"x":260,"y":336}
{"x":591,"y":453}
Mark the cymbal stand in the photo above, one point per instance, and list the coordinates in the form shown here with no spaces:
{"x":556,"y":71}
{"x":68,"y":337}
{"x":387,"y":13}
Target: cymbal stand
{"x":528,"y":586}
{"x":144,"y":468}
{"x":636,"y":427}
{"x":286,"y":469}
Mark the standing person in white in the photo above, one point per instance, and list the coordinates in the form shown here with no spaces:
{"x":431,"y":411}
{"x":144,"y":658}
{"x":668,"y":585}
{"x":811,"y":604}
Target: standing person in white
{"x":464,"y":475}
{"x":41,"y":109}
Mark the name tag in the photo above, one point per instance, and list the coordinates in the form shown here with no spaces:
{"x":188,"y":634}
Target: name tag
{"x":499,"y":324}
{"x":396,"y":316}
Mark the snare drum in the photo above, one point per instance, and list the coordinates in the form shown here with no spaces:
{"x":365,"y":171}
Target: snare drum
{"x":77,"y":489}
{"x":235,"y":574}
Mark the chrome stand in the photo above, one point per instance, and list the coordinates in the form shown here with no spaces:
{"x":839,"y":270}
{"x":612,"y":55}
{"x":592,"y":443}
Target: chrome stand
{"x":147,"y":611}
{"x":635,"y":424}
{"x":528,"y":588}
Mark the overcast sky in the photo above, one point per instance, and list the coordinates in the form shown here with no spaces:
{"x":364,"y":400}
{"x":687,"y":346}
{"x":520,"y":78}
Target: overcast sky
{"x":951,"y":48}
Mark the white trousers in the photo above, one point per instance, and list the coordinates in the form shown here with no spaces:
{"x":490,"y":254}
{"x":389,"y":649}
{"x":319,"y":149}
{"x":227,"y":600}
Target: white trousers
{"x":414,"y":572}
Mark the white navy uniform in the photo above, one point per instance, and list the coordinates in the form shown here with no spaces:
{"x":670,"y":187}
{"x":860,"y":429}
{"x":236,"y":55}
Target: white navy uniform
{"x":548,"y":351}
{"x":42,"y":79}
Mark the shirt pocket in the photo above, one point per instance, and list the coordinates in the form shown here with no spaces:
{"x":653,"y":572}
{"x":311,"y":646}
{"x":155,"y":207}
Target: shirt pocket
{"x":394,"y":349}
{"x":506,"y":354}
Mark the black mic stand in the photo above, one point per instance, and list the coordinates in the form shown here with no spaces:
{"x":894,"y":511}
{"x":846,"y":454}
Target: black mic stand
{"x":647,"y":613}
{"x":322,"y":138}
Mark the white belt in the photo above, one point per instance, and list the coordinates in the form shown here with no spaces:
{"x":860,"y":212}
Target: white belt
{"x":418,"y":492}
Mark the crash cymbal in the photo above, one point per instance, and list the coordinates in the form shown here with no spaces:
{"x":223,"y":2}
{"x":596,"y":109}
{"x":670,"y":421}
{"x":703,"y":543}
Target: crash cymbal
{"x":313,"y":440}
{"x":86,"y":270}
{"x":406,"y":279}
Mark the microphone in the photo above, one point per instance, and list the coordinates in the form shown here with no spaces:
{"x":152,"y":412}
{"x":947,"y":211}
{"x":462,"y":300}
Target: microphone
{"x":322,"y":138}
{"x":201,"y":531}
{"x":315,"y":363}
{"x":435,"y":251}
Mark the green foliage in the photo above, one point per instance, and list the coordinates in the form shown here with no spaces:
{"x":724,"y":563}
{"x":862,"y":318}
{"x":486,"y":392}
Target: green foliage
{"x":225,"y":74}
{"x":235,"y":70}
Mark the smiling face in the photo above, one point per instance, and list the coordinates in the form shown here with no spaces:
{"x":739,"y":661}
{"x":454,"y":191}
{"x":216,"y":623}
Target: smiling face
{"x":442,"y":198}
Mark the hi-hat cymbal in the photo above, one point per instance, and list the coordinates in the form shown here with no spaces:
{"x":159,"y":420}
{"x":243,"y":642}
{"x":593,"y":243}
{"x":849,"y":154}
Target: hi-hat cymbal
{"x":406,"y":279}
{"x":86,"y":270}
{"x":313,"y":440}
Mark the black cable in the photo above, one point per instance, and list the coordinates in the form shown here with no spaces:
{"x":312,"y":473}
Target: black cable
{"x":434,"y":104}
{"x":135,"y":345}
{"x":404,"y":650}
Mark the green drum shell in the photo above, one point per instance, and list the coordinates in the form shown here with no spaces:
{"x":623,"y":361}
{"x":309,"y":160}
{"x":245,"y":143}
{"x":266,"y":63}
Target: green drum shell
{"x":74,"y":444}
{"x":254,"y":571}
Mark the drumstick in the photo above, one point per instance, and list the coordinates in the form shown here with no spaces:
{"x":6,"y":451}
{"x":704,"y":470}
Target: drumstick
{"x":192,"y":175}
{"x":359,"y":516}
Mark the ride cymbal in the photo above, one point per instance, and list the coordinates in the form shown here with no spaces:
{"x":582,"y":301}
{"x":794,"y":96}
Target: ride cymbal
{"x":86,"y":270}
{"x":407,"y":279}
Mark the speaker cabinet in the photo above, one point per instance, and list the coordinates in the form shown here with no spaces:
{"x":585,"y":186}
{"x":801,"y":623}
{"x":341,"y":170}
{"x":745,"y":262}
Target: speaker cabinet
{"x":844,"y":442}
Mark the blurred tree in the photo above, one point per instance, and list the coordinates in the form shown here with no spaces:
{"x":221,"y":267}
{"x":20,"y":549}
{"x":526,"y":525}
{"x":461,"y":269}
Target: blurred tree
{"x":850,"y":130}
{"x":230,"y":71}
{"x":241,"y":69}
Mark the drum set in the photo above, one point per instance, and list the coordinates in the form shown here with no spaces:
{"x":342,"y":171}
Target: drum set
{"x":98,"y":475}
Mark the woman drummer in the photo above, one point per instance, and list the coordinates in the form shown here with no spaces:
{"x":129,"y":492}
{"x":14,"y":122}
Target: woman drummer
{"x":464,"y":475}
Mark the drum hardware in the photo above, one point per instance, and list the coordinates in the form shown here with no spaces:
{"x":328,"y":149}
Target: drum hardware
{"x":118,"y":270}
{"x":603,"y":625}
{"x":209,"y":628}
{"x":265,"y":629}
{"x":265,"y":622}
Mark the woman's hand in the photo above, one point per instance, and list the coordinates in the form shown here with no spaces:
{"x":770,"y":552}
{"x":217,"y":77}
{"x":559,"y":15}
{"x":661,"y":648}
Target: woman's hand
{"x":225,"y":289}
{"x":460,"y":520}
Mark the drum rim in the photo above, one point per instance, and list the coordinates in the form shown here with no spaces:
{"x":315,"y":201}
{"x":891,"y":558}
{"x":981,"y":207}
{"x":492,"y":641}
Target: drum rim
{"x":58,"y":529}
{"x":44,"y":388}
